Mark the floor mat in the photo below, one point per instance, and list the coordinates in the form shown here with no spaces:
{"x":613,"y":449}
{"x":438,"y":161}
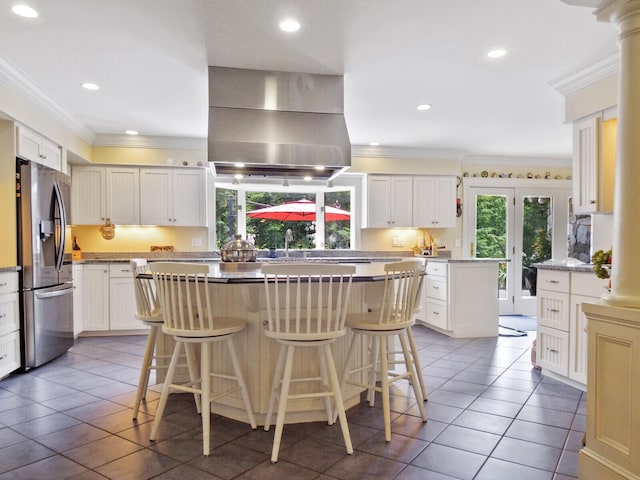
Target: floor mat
{"x":516,"y":325}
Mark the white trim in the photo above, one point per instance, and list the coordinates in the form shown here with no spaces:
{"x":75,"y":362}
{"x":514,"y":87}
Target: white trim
{"x":18,"y":81}
{"x":586,"y":76}
{"x":509,"y":161}
{"x":515,"y":182}
{"x":150,"y":141}
{"x":406,"y":152}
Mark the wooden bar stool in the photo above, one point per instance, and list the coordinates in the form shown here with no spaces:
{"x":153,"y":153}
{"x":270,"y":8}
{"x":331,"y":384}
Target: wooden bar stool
{"x":394,"y":319}
{"x":188,"y":312}
{"x":307,"y":306}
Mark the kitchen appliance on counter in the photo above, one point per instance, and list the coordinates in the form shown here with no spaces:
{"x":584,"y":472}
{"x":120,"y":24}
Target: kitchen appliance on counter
{"x":46,"y":300}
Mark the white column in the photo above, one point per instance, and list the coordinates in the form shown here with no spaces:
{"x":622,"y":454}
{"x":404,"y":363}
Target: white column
{"x":625,"y":278}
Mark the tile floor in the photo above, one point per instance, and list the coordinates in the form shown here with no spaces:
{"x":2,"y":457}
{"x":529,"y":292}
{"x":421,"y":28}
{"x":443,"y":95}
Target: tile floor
{"x":491,"y":417}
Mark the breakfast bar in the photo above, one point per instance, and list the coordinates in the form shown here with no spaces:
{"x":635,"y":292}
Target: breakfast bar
{"x":237,"y":290}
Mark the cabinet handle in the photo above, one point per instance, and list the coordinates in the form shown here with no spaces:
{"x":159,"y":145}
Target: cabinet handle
{"x":128,"y":270}
{"x":436,"y":313}
{"x":3,"y":284}
{"x":592,"y":202}
{"x":553,"y":310}
{"x":3,"y":315}
{"x":3,"y":356}
{"x":553,"y":281}
{"x":553,"y":350}
{"x":435,"y":287}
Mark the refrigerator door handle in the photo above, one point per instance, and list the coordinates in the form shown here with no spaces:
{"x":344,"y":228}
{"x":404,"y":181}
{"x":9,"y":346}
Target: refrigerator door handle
{"x":61,"y":227}
{"x":55,"y":293}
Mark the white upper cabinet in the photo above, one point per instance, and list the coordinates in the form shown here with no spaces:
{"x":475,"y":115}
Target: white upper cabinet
{"x":586,"y":153}
{"x":173,"y":196}
{"x":101,"y":193}
{"x":434,"y":202}
{"x":389,"y":200}
{"x":31,"y":146}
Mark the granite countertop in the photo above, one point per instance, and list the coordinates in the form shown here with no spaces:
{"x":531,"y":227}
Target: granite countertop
{"x":346,"y":256}
{"x":464,"y":260}
{"x":568,"y":265}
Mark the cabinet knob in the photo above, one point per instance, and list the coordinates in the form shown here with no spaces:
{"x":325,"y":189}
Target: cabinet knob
{"x":3,"y":284}
{"x":2,"y":357}
{"x":3,"y":315}
{"x":592,"y":202}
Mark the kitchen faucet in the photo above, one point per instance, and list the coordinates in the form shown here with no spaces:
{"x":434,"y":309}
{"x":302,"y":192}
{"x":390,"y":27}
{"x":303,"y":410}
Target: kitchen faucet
{"x":288,"y":237}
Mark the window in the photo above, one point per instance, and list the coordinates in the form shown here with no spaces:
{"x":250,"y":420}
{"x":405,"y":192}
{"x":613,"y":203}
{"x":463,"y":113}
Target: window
{"x":266,"y":215}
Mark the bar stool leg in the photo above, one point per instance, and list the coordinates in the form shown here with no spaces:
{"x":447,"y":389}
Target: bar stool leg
{"x":384,"y":377}
{"x":322,"y":366}
{"x":165,"y":390}
{"x":416,"y":361}
{"x":275,"y":386}
{"x":240,"y":378}
{"x":335,"y":388}
{"x":411,"y":369}
{"x":143,"y":381}
{"x":282,"y":404}
{"x":192,"y":362}
{"x":205,"y":384}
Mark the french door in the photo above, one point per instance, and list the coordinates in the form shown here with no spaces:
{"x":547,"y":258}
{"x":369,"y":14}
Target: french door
{"x":521,"y":224}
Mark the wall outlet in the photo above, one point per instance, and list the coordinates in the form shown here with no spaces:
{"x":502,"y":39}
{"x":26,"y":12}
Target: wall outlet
{"x":458,"y":243}
{"x":397,"y":242}
{"x":196,"y":242}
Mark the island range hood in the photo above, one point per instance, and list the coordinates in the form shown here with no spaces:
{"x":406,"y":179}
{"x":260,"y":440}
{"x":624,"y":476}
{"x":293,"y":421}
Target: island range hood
{"x":276,"y":124}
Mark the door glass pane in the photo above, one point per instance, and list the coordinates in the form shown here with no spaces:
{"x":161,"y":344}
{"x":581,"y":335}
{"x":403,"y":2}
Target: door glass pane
{"x":337,"y":217}
{"x":491,"y":233}
{"x":536,"y":239}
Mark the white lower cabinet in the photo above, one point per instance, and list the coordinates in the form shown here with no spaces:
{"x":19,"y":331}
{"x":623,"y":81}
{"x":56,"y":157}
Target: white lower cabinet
{"x":460,"y":298}
{"x":108,"y":298}
{"x":9,"y":323}
{"x":562,"y":339}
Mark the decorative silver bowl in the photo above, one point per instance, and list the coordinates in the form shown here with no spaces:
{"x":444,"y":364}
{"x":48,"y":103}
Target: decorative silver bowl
{"x":238,"y":250}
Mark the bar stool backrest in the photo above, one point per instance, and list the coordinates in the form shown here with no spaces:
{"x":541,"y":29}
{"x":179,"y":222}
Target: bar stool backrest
{"x":147,"y":304}
{"x":184,"y":297}
{"x":307,"y":301}
{"x":401,"y":291}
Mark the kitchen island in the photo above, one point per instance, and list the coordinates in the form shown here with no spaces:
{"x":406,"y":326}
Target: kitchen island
{"x":241,"y":294}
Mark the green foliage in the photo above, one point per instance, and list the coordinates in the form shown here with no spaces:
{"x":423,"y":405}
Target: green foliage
{"x":270,"y":233}
{"x":491,"y":227}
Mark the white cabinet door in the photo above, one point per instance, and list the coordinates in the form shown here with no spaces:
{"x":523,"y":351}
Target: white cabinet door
{"x":122,"y":304}
{"x":95,"y":297}
{"x":586,"y":156}
{"x":78,"y":302}
{"x":552,"y":347}
{"x":32,"y":146}
{"x":88,"y":196}
{"x":389,"y":200}
{"x":189,"y":198}
{"x":578,"y":339}
{"x":123,"y":195}
{"x":434,"y":202}
{"x":378,"y":201}
{"x":156,"y":196}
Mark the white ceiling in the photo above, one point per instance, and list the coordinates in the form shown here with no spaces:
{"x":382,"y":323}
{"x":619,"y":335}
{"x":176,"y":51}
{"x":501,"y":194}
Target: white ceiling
{"x":150,"y":59}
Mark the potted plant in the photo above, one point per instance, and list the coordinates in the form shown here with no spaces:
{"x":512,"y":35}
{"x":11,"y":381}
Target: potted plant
{"x":602,"y":263}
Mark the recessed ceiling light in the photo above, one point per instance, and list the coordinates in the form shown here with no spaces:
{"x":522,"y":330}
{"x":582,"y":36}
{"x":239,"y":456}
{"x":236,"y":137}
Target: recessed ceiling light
{"x":319,"y":167}
{"x":24,"y":11}
{"x":308,"y":178}
{"x":374,"y":144}
{"x":238,"y":176}
{"x":90,"y":86}
{"x":131,"y":132}
{"x":497,"y":53}
{"x":239,"y":164}
{"x":424,"y":106}
{"x":289,"y":25}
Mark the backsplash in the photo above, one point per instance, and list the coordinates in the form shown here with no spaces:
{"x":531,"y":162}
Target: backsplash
{"x":580,"y":237}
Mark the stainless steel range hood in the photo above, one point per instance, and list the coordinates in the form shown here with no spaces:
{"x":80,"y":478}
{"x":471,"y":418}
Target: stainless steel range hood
{"x":276,"y":123}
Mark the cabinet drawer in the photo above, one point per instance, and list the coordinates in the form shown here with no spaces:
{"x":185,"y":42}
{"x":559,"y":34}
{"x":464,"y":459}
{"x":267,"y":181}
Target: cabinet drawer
{"x":554,"y":280}
{"x":437,"y":314}
{"x":9,"y":353}
{"x":553,"y":310}
{"x":9,"y":313}
{"x":8,"y":282}
{"x":552,"y":350}
{"x":120,"y":270}
{"x":437,"y":287}
{"x":587,"y":284}
{"x":437,"y":268}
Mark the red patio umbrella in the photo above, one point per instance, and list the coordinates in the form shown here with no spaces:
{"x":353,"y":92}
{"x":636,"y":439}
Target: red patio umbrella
{"x":299,"y":211}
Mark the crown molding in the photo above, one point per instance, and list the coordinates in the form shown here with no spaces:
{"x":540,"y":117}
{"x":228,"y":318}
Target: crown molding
{"x":377,"y":151}
{"x":586,"y":76}
{"x":150,"y":141}
{"x":19,"y":82}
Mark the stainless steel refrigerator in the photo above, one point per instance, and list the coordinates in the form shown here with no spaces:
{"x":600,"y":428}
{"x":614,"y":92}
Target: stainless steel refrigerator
{"x":46,"y":276}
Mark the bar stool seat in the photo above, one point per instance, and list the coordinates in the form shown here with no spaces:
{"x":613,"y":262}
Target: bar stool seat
{"x":394,"y":319}
{"x":188,"y":311}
